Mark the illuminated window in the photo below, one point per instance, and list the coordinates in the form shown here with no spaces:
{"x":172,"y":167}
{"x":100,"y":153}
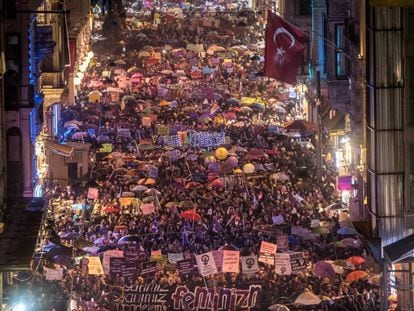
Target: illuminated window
{"x":340,"y":58}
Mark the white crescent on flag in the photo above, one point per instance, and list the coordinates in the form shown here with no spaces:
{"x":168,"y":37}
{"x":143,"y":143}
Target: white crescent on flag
{"x":282,"y":30}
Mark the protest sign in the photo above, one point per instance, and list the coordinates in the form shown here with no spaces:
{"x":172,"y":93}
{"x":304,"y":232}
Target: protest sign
{"x":129,"y":272}
{"x":115,"y":267}
{"x":93,"y":193}
{"x":282,"y":264}
{"x":314,"y":223}
{"x":174,"y":257}
{"x":267,"y":258}
{"x":125,"y":201}
{"x":132,"y":252}
{"x":148,"y":208}
{"x":206,"y":264}
{"x":267,"y":247}
{"x":249,"y":264}
{"x":95,"y":266}
{"x":297,"y":262}
{"x":282,"y":242}
{"x":183,"y":297}
{"x":185,"y":267}
{"x":55,"y":274}
{"x":148,"y":269}
{"x":107,"y":257}
{"x":218,"y":260}
{"x":231,"y":261}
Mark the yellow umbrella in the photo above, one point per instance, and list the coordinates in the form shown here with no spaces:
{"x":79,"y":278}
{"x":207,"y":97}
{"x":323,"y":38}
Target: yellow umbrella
{"x":146,"y":181}
{"x":94,"y":96}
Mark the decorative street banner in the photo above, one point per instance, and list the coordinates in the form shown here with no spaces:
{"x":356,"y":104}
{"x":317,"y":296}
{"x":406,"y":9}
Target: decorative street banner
{"x":282,"y":264}
{"x":297,"y":262}
{"x":249,"y":264}
{"x":206,"y":264}
{"x":206,"y":139}
{"x":231,"y":261}
{"x":172,"y":141}
{"x":185,"y":267}
{"x":157,"y":298}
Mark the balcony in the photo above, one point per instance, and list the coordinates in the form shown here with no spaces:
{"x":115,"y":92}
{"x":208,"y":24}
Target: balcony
{"x":52,"y":80}
{"x":339,"y":95}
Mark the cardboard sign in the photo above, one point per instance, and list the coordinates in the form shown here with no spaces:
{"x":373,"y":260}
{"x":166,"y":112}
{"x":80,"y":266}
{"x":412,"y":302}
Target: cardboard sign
{"x":282,"y":242}
{"x":185,"y":267}
{"x":116,"y":265}
{"x":174,"y":257}
{"x":148,"y":269}
{"x":146,"y":121}
{"x":267,"y":247}
{"x":267,"y":258}
{"x":218,"y":259}
{"x":129,"y":272}
{"x":125,"y":201}
{"x":148,"y":208}
{"x":282,"y":264}
{"x":93,"y":193}
{"x":231,"y":261}
{"x":314,"y":223}
{"x":206,"y":264}
{"x":249,"y":264}
{"x":95,"y":266}
{"x":55,"y":274}
{"x":107,"y":258}
{"x":297,"y":262}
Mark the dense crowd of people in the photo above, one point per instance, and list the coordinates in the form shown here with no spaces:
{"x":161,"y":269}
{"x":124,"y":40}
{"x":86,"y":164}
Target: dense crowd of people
{"x":156,"y":80}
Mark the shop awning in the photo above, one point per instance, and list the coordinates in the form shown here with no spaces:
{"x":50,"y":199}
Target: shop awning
{"x":400,"y":249}
{"x":63,"y":150}
{"x":22,"y":222}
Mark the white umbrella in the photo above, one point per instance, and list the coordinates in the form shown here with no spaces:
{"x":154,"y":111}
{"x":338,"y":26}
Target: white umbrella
{"x":278,"y":307}
{"x":308,"y":299}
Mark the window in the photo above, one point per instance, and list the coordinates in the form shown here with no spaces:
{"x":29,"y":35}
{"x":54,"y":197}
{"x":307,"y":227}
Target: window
{"x":340,"y":58}
{"x":13,"y":52}
{"x":303,"y":7}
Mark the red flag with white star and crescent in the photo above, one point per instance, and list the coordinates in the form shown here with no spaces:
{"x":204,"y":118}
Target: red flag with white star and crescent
{"x":284,"y":48}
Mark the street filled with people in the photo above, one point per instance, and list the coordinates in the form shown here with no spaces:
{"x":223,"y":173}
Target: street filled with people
{"x":207,"y":188}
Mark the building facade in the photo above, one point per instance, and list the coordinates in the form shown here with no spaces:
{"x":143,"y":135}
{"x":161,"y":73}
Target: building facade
{"x":390,"y":140}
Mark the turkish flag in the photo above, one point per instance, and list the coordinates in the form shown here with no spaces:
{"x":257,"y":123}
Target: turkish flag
{"x":283,"y":50}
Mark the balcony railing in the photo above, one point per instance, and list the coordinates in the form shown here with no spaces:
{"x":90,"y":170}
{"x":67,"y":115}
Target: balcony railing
{"x":52,"y":80}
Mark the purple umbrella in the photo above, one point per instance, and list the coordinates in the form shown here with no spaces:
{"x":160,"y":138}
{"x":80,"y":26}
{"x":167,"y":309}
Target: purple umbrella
{"x":324,"y":269}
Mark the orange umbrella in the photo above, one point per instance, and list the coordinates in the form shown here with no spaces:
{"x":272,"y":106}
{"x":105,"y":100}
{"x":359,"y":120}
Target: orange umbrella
{"x":356,"y":275}
{"x":192,"y":185}
{"x":356,"y":260}
{"x":191,"y":215}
